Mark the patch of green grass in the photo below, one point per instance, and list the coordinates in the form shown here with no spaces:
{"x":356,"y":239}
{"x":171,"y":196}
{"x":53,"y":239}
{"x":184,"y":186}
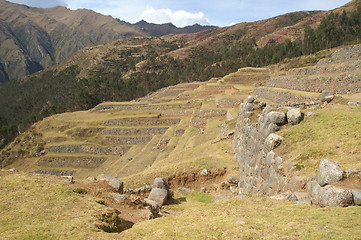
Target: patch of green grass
{"x":333,"y":133}
{"x":200,"y":197}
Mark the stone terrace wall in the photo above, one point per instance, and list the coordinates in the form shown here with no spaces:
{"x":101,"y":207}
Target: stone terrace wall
{"x":88,"y":162}
{"x":134,"y":131}
{"x":340,"y":73}
{"x":284,"y":97}
{"x":341,"y":84}
{"x":227,"y":103}
{"x":88,"y":149}
{"x":126,"y":140}
{"x":142,"y":121}
{"x":55,"y":172}
{"x":142,"y":107}
{"x":212,"y":113}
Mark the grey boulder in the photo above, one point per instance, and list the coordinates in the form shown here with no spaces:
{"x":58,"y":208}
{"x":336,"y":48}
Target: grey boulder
{"x":115,"y":183}
{"x":328,"y":172}
{"x":294,"y":116}
{"x":330,"y":196}
{"x":278,"y":118}
{"x":326,"y":96}
{"x":160,"y":191}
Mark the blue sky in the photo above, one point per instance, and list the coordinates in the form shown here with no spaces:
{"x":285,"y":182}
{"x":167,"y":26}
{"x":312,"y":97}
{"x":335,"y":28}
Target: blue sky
{"x":187,"y":12}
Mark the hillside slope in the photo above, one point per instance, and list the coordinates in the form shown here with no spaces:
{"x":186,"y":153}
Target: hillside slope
{"x":131,"y":68}
{"x":34,"y":38}
{"x":184,"y":134}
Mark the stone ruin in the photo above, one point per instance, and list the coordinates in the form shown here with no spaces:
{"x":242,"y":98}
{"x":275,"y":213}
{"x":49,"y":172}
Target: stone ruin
{"x":262,"y":171}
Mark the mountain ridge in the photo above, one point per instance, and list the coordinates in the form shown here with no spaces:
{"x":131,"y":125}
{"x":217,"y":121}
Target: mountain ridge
{"x":36,"y":38}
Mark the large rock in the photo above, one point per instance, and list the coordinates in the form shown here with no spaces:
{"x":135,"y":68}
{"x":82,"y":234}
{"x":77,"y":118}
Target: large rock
{"x":273,"y":141}
{"x":294,"y":116}
{"x":113,"y":182}
{"x":160,"y":191}
{"x":278,"y":118}
{"x":329,"y":172}
{"x":330,"y":196}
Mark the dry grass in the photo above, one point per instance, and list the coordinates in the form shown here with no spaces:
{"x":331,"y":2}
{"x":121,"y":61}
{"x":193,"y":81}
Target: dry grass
{"x":333,"y":133}
{"x":249,"y":218}
{"x":34,"y":207}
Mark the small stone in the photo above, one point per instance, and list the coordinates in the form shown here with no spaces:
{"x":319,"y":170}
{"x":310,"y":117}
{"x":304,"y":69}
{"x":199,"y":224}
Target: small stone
{"x":250,"y":99}
{"x":90,"y":179}
{"x":233,"y":180}
{"x":234,"y":190}
{"x":354,"y":104}
{"x":282,"y":196}
{"x":121,"y":198}
{"x":183,"y":190}
{"x":310,"y":114}
{"x":273,"y":141}
{"x":205,"y":172}
{"x":203,"y":189}
{"x":300,"y":197}
{"x":240,"y":222}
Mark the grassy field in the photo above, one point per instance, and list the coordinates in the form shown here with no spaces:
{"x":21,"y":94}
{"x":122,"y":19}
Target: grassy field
{"x":250,"y":218}
{"x":334,"y":133}
{"x":38,"y":207}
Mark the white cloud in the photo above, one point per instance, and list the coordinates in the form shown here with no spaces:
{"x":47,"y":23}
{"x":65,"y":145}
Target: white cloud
{"x":41,"y":3}
{"x":178,"y":18}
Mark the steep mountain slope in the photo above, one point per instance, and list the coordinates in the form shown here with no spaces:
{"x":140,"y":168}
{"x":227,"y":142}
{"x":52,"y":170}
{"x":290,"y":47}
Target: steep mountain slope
{"x":158,"y":30}
{"x":35,"y":38}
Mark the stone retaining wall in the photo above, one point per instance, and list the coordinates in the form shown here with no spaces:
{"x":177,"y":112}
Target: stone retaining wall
{"x":177,"y":113}
{"x":126,"y":140}
{"x":142,"y":107}
{"x":212,"y":113}
{"x":88,"y":149}
{"x":55,"y":172}
{"x":339,"y":73}
{"x":283,"y":97}
{"x":134,"y":131}
{"x":198,"y":123}
{"x":342,"y":84}
{"x":228,"y":103}
{"x":87,"y":162}
{"x":146,"y":121}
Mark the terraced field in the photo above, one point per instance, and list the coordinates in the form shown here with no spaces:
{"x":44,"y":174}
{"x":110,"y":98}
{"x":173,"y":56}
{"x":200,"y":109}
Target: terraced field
{"x":182,"y":128}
